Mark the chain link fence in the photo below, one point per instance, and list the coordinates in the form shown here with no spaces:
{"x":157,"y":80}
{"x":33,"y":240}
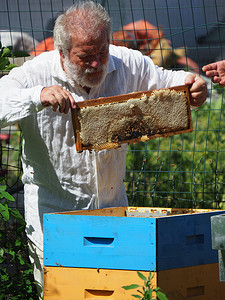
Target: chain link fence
{"x":180,"y":171}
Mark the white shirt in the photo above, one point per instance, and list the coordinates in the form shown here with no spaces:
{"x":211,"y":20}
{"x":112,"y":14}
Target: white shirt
{"x":57,"y":178}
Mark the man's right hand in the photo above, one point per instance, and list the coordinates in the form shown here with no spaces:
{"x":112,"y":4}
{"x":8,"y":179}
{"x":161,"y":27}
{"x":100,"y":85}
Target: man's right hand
{"x":58,"y":98}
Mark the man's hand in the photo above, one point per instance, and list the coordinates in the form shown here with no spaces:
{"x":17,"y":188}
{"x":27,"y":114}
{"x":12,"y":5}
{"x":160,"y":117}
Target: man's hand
{"x":216,"y":71}
{"x":57,"y":97}
{"x":198,"y":89}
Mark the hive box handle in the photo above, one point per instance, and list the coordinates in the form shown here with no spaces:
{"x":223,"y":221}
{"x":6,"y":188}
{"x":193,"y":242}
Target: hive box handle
{"x":195,"y":239}
{"x":100,"y":294}
{"x":98,"y":241}
{"x":195,"y":291}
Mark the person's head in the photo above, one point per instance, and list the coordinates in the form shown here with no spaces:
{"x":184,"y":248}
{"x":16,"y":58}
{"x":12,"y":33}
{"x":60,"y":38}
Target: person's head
{"x":82,"y":36}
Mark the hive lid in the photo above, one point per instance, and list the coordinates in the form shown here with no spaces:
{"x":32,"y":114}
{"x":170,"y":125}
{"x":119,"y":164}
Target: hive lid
{"x":108,"y":122}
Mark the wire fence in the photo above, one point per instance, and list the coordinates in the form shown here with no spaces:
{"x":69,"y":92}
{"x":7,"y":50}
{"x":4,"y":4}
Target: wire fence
{"x":181,"y":171}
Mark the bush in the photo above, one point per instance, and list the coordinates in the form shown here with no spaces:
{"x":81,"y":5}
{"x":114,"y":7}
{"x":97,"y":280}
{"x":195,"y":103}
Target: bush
{"x":16,"y":274}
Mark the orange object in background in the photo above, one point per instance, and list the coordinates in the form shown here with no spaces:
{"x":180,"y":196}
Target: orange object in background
{"x":150,"y":40}
{"x":138,"y":35}
{"x":145,"y":33}
{"x":43,"y":46}
{"x":124,"y":38}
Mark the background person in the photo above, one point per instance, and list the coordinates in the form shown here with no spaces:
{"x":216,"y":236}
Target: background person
{"x":39,"y":95}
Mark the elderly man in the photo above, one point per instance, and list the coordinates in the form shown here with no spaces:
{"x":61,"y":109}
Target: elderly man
{"x":39,"y":95}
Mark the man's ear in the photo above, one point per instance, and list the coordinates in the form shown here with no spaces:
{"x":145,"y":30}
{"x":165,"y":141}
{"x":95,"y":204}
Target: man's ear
{"x":62,"y":56}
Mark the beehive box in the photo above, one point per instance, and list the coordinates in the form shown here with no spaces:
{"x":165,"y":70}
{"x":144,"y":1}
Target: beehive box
{"x":198,"y":282}
{"x":108,"y":122}
{"x":129,"y":238}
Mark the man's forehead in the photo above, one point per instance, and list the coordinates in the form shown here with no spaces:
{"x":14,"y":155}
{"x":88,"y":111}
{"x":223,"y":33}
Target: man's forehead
{"x":92,"y":48}
{"x":88,"y":43}
{"x":89,"y":34}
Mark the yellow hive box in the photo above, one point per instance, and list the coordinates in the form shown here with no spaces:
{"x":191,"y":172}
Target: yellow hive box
{"x":198,"y":282}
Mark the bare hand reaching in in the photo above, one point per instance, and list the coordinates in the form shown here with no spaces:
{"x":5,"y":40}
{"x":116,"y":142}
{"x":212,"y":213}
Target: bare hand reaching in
{"x":216,"y":70}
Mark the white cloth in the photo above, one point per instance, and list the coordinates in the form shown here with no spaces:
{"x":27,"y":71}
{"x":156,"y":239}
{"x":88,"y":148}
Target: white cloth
{"x":56,"y":177}
{"x":36,"y":259}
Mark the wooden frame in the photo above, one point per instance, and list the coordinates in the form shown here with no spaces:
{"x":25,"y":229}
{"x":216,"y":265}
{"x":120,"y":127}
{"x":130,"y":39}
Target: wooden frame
{"x":122,"y":98}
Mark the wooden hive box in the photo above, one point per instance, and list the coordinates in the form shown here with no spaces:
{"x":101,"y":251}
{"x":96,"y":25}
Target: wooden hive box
{"x":108,"y":122}
{"x":129,"y":238}
{"x":198,"y":282}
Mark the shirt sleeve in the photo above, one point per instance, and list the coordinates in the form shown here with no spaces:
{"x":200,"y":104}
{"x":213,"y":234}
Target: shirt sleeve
{"x":142,"y":74}
{"x":154,"y":77}
{"x":17,"y":99}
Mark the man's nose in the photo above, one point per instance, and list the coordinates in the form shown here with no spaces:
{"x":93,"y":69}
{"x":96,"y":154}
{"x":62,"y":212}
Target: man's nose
{"x":95,"y":62}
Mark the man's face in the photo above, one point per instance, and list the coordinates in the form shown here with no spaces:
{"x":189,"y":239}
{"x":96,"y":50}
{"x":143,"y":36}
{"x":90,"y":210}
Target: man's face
{"x":87,"y":60}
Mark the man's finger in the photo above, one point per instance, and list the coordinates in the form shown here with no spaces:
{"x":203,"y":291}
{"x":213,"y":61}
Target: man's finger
{"x":71,"y":99}
{"x":209,"y":67}
{"x":212,"y":73}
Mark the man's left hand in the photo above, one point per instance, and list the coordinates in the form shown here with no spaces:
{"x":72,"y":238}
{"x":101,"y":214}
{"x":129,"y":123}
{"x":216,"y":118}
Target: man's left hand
{"x":198,"y":89}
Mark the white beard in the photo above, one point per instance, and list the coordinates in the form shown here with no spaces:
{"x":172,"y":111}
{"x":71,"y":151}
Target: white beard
{"x":80,"y":76}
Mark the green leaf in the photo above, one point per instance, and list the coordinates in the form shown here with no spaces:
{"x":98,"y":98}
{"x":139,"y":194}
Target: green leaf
{"x":20,"y":229}
{"x":160,"y":293}
{"x":2,"y":188}
{"x":10,"y":67}
{"x":4,"y":61}
{"x":130,"y":287}
{"x":5,"y":277}
{"x":29,"y":288}
{"x":28,"y":282}
{"x":4,"y":211}
{"x":141,"y":276}
{"x":148,"y":293}
{"x":18,"y":242}
{"x":2,"y":251}
{"x":7,"y":196}
{"x":136,"y":296}
{"x":20,"y":259}
{"x":12,"y":253}
{"x":6,"y":51}
{"x":17,"y":215}
{"x":27,"y":272}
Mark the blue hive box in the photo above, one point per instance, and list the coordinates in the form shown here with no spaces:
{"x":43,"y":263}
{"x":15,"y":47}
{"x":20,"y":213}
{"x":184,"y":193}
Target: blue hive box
{"x":129,"y":238}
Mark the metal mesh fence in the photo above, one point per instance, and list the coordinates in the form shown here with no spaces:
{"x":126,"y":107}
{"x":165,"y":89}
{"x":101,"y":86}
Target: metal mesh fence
{"x":181,"y":171}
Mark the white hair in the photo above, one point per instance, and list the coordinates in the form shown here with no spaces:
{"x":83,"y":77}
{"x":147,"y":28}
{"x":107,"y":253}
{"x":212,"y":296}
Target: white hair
{"x":86,"y":17}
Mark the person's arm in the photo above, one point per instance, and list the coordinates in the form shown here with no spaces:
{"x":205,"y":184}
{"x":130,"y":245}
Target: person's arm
{"x":154,"y":77}
{"x":168,"y":78}
{"x":19,"y":99}
{"x":216,"y":71}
